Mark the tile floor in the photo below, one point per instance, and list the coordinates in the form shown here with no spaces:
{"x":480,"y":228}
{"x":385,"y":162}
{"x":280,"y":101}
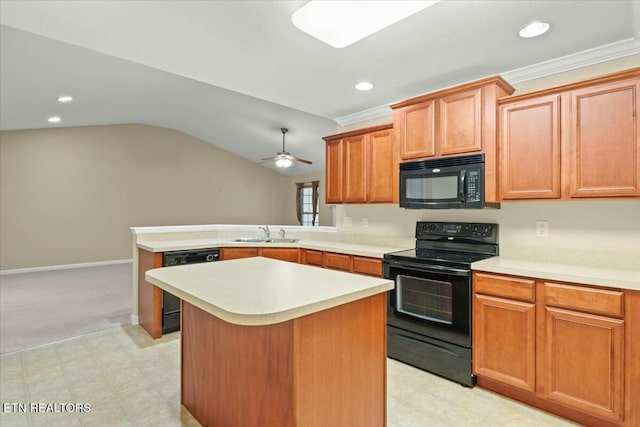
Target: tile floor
{"x":130,"y":380}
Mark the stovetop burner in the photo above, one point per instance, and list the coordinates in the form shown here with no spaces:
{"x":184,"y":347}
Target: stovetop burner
{"x":445,"y":243}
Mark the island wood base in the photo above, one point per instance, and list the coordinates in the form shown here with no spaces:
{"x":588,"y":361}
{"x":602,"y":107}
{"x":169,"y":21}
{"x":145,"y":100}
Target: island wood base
{"x":323,"y":369}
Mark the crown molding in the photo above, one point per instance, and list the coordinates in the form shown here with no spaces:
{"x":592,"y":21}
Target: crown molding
{"x":596,"y":55}
{"x":361,"y":116}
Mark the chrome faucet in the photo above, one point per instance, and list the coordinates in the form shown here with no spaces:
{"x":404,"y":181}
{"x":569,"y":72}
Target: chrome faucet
{"x":267,"y":232}
{"x":282,"y":232}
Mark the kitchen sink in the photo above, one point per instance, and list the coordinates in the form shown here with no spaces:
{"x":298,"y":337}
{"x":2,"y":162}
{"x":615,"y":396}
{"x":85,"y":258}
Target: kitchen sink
{"x":282,"y":240}
{"x":263,"y":240}
{"x":249,"y":240}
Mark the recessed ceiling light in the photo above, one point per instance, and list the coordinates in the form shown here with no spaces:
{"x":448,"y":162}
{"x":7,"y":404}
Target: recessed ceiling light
{"x":534,"y":29}
{"x":65,"y":98}
{"x":54,"y":119}
{"x":364,"y":86}
{"x":341,"y":23}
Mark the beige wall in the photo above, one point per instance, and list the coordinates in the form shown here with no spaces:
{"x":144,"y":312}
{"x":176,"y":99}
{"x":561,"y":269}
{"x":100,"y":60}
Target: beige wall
{"x":69,"y":195}
{"x":600,"y":233}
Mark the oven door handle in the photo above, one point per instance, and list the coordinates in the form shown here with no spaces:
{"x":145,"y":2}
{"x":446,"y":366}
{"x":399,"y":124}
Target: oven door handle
{"x":429,"y":268}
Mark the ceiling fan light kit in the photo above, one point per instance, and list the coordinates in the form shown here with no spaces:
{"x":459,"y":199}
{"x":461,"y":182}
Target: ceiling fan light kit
{"x":284,"y":159}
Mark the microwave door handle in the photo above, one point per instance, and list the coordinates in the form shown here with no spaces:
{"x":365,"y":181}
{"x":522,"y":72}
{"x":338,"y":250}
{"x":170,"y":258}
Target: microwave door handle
{"x":463,"y":191}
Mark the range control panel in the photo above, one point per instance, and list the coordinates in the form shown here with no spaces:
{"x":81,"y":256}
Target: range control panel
{"x":484,"y":231}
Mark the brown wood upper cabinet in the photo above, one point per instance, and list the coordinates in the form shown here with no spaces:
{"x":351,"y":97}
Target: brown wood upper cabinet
{"x":362,"y":166}
{"x":574,"y":141}
{"x":457,"y":120}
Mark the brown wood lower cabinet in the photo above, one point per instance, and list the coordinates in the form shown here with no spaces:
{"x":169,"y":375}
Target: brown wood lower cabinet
{"x":566,"y":348}
{"x":337,"y":261}
{"x":311,"y":257}
{"x":344,"y":262}
{"x":237,"y":253}
{"x":505,"y":332}
{"x":284,"y":254}
{"x":149,"y":296}
{"x":366,"y":265}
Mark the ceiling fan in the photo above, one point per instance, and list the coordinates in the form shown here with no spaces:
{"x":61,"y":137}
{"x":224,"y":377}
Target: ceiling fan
{"x":284,"y":159}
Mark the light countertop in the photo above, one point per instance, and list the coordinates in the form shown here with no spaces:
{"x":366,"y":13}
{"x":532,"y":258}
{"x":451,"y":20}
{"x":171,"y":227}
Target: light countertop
{"x":624,"y":279}
{"x":263,"y":291}
{"x":373,"y":251}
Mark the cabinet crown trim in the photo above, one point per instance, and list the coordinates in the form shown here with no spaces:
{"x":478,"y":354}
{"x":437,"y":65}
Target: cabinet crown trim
{"x":497,"y":80}
{"x":358,"y":132}
{"x":607,"y":78}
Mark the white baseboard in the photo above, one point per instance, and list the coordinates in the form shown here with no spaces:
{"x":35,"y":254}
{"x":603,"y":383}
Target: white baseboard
{"x":134,"y":319}
{"x":64,"y":267}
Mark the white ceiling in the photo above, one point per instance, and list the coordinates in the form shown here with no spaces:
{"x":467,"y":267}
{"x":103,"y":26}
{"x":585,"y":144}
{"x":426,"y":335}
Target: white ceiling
{"x":233,"y":72}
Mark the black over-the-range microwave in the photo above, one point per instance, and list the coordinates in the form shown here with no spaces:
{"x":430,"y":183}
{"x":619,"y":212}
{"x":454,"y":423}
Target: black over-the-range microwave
{"x":444,"y":183}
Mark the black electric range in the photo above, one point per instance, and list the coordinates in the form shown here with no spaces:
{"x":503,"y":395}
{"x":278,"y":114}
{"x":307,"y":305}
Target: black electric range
{"x":429,"y":310}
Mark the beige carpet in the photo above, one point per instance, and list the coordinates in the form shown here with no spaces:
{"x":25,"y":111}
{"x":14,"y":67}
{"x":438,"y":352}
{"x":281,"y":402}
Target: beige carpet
{"x":43,"y":307}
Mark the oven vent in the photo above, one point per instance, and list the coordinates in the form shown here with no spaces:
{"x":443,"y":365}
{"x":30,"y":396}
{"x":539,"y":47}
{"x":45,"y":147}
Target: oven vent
{"x":442,"y":162}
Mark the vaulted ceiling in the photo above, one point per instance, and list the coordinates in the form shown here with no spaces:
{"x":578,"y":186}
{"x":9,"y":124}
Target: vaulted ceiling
{"x":232,"y":73}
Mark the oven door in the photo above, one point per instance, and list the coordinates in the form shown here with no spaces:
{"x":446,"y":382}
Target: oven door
{"x":433,"y":301}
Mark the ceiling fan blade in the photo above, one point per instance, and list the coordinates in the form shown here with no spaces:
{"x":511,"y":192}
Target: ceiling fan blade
{"x":298,"y":159}
{"x":283,"y":158}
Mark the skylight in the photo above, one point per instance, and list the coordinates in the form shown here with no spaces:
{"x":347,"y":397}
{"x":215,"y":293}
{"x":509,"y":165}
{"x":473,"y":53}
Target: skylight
{"x":341,"y":23}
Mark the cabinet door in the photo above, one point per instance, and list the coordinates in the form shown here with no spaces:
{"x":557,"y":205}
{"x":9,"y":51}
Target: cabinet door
{"x":416,"y":130}
{"x":284,"y":254}
{"x":585,"y":362}
{"x":333,"y":171}
{"x":529,"y":147}
{"x":504,"y":341}
{"x":355,"y":169}
{"x":604,"y":141}
{"x":460,"y":123}
{"x":383,"y":170}
{"x":235,"y":253}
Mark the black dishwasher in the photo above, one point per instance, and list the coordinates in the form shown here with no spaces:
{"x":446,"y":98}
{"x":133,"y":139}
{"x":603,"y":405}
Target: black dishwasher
{"x":170,"y":302}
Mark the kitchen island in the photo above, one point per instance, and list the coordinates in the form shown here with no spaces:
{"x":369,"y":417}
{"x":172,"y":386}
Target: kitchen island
{"x":272,"y":343}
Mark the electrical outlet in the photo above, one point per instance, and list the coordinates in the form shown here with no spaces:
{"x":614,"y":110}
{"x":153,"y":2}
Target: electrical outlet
{"x":365,"y":222}
{"x":346,"y":221}
{"x":542,"y":228}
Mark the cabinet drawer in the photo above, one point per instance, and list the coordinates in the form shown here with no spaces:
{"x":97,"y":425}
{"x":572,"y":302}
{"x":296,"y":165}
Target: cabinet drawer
{"x":590,"y":300}
{"x":313,"y":257}
{"x":365,"y":265}
{"x":504,"y":286}
{"x":235,"y":253}
{"x":287,"y":254}
{"x":337,"y":261}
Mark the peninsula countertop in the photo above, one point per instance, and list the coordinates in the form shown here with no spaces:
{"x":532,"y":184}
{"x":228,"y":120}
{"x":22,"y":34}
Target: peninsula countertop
{"x":263,"y":291}
{"x":359,"y":249}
